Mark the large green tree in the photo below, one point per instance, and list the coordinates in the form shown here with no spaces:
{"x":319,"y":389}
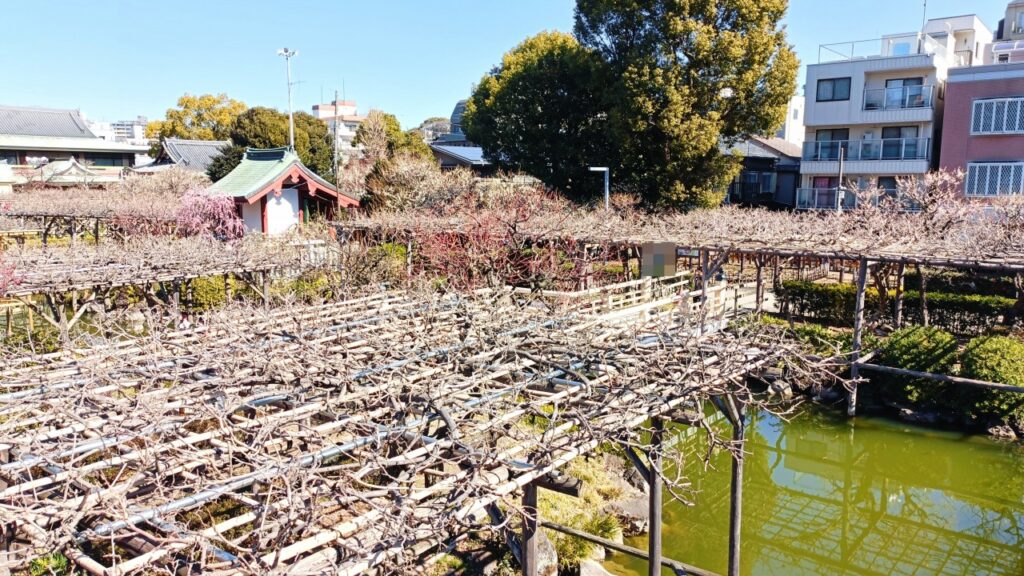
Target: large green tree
{"x":544,"y":111}
{"x":268,"y":128}
{"x":692,"y":74}
{"x":202,"y":117}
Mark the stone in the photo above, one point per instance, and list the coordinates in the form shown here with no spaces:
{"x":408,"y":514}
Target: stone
{"x":1002,"y":431}
{"x":632,"y":514}
{"x":916,"y":417}
{"x":547,"y":557}
{"x":593,"y":568}
{"x":780,"y":388}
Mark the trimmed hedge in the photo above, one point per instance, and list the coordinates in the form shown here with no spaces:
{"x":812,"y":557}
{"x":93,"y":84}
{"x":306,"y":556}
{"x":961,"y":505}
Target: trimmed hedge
{"x":922,"y":349}
{"x":996,"y":359}
{"x":964,"y":283}
{"x":836,"y":304}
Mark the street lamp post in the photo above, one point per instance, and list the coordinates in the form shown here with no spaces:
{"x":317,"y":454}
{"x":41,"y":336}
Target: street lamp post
{"x":607,"y":190}
{"x":291,"y":120}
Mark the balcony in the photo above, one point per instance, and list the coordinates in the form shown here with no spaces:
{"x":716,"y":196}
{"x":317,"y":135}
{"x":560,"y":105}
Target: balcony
{"x":876,"y":149}
{"x":825,"y":199}
{"x":900,"y":98}
{"x":843,"y":199}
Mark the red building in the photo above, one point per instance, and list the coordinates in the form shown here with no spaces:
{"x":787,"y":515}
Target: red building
{"x":983,"y":128}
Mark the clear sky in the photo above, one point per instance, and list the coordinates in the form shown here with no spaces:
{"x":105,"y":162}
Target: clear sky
{"x":116,"y":59}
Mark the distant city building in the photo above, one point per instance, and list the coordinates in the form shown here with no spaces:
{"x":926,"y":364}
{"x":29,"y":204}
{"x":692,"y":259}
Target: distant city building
{"x":874,"y":108}
{"x":341,"y":115}
{"x":35,"y":136}
{"x":453,"y":150}
{"x":793,"y":129}
{"x":133,"y":131}
{"x":1009,"y":45}
{"x":455,"y":137}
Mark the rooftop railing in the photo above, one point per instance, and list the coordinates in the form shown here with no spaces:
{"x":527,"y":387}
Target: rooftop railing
{"x":877,"y":149}
{"x":888,"y":46}
{"x":898,"y":98}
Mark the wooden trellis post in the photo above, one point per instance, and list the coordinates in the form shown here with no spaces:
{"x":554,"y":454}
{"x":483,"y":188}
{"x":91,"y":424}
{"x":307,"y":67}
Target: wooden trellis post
{"x":530,"y":539}
{"x":736,"y":489}
{"x":901,"y":270}
{"x":655,"y":501}
{"x":858,"y":329}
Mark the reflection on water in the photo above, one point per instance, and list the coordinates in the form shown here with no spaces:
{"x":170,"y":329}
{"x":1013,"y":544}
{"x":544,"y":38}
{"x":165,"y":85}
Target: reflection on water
{"x":824,"y":495}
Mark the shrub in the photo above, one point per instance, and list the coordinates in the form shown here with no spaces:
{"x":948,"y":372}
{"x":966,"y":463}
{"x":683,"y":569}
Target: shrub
{"x":207,"y":293}
{"x":924,"y":350}
{"x":53,"y":564}
{"x":996,"y":359}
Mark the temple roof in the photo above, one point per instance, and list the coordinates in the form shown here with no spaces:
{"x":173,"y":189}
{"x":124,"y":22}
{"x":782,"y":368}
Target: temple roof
{"x":193,"y":154}
{"x":263,"y":171}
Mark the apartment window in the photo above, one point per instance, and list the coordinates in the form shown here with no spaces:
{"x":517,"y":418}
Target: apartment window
{"x":998,"y":116}
{"x":994,"y":179}
{"x":833,"y":89}
{"x":830,"y":142}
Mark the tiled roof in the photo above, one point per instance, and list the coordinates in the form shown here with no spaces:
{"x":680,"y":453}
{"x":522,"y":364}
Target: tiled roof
{"x":472,"y":155}
{"x":780,"y":145}
{"x":259,"y":169}
{"x":193,"y":154}
{"x":43,"y":122}
{"x":759,"y":147}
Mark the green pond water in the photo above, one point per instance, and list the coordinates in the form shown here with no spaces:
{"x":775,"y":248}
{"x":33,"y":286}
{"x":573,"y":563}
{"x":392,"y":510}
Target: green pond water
{"x":827,"y":495}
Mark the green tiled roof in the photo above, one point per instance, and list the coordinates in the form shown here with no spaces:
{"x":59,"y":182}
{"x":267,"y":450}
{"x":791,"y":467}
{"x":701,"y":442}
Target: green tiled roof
{"x":256,"y":170}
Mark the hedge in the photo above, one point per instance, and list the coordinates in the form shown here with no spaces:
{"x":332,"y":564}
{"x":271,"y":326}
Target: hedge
{"x":961,"y":282}
{"x":922,"y":349}
{"x":996,"y":359}
{"x":836,"y":304}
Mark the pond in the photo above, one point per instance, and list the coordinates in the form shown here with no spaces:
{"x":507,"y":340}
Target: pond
{"x":828,"y":495}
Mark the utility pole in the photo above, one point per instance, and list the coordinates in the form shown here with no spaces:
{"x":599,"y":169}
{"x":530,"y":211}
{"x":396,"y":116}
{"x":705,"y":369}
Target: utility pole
{"x":336,"y":120}
{"x":291,"y":119}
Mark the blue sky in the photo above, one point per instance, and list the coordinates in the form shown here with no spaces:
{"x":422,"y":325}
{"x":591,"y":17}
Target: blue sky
{"x":116,"y":59}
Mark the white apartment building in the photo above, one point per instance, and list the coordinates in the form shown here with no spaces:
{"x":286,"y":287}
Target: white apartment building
{"x":343,"y":116}
{"x":793,"y":130}
{"x":873,"y":109}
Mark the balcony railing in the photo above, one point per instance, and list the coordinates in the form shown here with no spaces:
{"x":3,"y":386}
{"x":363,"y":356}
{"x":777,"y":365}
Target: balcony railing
{"x":825,"y":199}
{"x":898,"y":98}
{"x":845,"y":199}
{"x":877,"y":149}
